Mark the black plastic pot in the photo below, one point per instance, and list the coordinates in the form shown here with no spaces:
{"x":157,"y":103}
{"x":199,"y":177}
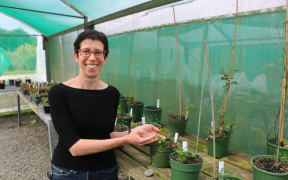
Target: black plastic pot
{"x":11,"y":82}
{"x":2,"y":86}
{"x":46,"y":109}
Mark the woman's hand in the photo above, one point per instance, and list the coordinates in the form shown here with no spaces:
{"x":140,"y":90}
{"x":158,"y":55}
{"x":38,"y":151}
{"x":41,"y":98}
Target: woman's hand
{"x":144,"y":134}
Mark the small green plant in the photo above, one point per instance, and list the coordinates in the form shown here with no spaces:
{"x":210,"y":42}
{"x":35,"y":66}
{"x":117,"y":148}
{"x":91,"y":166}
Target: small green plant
{"x":168,"y":142}
{"x":130,"y":98}
{"x":183,"y":156}
{"x":187,"y":108}
{"x":225,"y":77}
{"x":225,"y":174}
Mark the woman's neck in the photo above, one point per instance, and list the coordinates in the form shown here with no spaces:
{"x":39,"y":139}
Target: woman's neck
{"x":81,"y":82}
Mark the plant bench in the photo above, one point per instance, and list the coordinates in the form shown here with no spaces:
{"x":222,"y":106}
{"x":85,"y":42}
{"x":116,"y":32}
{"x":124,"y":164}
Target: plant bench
{"x":136,"y":159}
{"x":236,"y":162}
{"x":43,"y":116}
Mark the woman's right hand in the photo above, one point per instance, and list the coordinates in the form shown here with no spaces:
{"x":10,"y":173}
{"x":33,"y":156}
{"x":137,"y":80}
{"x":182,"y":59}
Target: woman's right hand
{"x":144,"y":134}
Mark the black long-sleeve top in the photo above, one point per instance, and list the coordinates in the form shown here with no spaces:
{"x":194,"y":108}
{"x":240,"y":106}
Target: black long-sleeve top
{"x":82,"y":114}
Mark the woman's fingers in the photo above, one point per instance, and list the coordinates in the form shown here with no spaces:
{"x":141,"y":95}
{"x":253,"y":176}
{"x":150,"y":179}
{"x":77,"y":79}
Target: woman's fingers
{"x":148,"y":139}
{"x":155,"y":129}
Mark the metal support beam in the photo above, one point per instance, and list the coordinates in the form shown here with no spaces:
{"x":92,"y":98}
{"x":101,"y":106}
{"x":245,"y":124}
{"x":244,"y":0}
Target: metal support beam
{"x":125,"y":12}
{"x":43,"y":12}
{"x":46,"y":48}
{"x":21,"y":35}
{"x":79,"y":12}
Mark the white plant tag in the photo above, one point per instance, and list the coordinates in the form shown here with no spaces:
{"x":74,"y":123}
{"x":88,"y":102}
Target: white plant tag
{"x":131,"y":112}
{"x":184,"y":146}
{"x":175,"y":137}
{"x":57,"y":81}
{"x":143,"y":120}
{"x":52,"y":81}
{"x":221,"y":167}
{"x":186,"y":116}
{"x":116,"y":121}
{"x":158,"y":103}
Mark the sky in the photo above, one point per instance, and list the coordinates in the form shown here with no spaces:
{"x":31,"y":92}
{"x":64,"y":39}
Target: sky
{"x":9,"y":23}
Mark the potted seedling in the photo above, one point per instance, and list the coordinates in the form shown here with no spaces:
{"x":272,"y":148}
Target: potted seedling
{"x":153,"y":112}
{"x":123,"y":103}
{"x":177,"y":122}
{"x":46,"y":105}
{"x":124,"y":119}
{"x":267,"y":167}
{"x":17,"y":82}
{"x":223,"y":129}
{"x":226,"y":174}
{"x":160,"y":151}
{"x":2,"y":84}
{"x":185,"y":165}
{"x":137,"y":110}
{"x":28,"y":81}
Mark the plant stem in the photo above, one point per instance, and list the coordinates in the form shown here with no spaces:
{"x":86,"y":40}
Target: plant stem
{"x":283,"y":95}
{"x":230,"y":71}
{"x":212,"y":111}
{"x":179,"y":75}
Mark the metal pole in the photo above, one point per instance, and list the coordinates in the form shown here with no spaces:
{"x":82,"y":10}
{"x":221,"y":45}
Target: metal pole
{"x":19,"y":111}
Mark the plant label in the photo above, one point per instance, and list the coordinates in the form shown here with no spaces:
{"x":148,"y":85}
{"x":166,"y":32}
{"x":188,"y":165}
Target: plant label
{"x":131,"y":112}
{"x":186,"y":115}
{"x":115,"y":121}
{"x":143,"y":120}
{"x":221,"y":167}
{"x":158,"y":103}
{"x":184,"y":146}
{"x":175,"y":137}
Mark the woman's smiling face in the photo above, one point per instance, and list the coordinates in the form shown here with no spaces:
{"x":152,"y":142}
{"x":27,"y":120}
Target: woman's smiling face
{"x":90,"y":58}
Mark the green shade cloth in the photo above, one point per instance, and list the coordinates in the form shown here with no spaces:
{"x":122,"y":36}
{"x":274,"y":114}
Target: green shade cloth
{"x":4,"y":61}
{"x":49,"y":24}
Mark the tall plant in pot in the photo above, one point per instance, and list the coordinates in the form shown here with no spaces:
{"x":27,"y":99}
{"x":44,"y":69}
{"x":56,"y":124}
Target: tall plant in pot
{"x":135,"y":105}
{"x":177,"y":122}
{"x":154,"y":112}
{"x":269,"y":166}
{"x":223,"y":129}
{"x":124,"y":100}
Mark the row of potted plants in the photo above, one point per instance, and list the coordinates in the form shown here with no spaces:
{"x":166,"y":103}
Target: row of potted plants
{"x":38,"y":92}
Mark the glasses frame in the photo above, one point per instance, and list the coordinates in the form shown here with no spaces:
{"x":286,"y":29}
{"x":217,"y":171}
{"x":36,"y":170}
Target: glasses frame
{"x":103,"y":55}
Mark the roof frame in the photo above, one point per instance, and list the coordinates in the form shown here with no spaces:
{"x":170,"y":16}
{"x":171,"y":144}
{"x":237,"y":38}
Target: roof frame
{"x":132,"y":10}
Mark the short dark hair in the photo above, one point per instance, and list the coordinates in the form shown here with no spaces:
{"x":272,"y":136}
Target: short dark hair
{"x":93,"y":35}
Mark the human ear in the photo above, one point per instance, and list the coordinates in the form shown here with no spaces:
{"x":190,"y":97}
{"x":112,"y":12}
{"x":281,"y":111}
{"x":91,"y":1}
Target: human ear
{"x":76,"y":57}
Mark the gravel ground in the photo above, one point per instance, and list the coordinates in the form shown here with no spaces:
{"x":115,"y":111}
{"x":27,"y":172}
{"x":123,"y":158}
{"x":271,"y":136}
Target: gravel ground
{"x":24,"y":151}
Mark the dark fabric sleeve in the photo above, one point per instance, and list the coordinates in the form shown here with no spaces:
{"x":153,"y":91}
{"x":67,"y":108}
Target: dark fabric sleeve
{"x":61,"y":117}
{"x":116,"y":104}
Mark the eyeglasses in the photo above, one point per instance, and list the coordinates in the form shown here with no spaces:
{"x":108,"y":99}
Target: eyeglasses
{"x":97,"y":53}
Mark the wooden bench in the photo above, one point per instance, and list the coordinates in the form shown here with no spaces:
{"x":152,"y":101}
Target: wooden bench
{"x":131,"y":156}
{"x":136,"y":159}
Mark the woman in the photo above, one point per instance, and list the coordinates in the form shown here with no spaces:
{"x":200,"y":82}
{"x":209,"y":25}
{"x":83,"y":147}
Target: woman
{"x":83,"y":111}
